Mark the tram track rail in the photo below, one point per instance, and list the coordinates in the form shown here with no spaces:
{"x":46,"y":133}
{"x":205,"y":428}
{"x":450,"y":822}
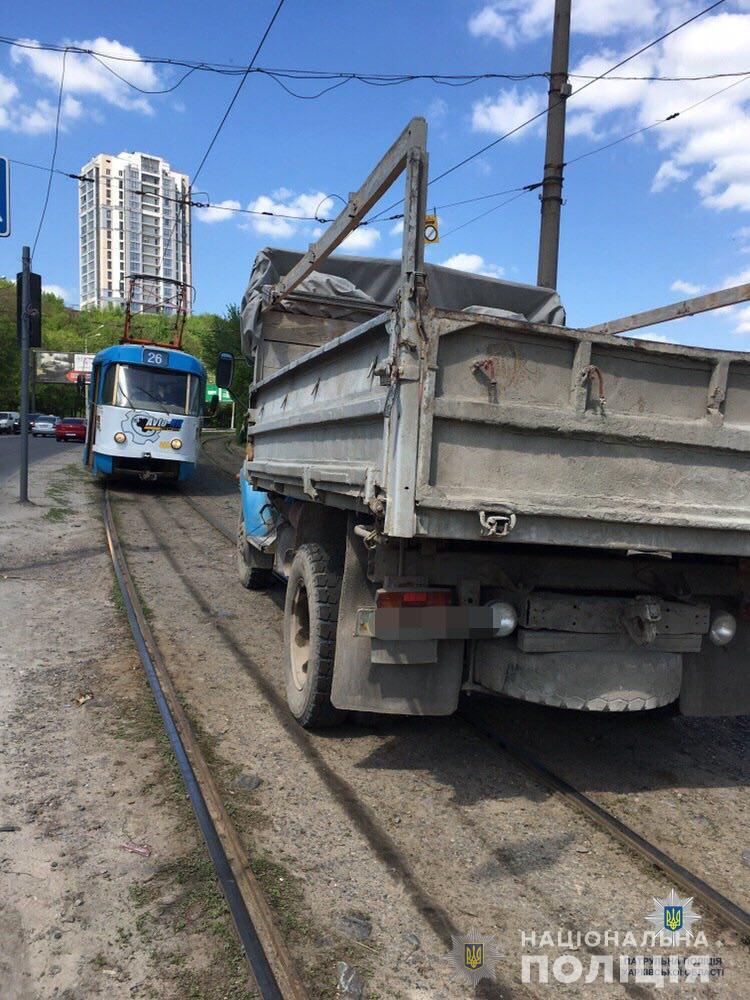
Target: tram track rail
{"x":270,"y":965}
{"x":724,"y":909}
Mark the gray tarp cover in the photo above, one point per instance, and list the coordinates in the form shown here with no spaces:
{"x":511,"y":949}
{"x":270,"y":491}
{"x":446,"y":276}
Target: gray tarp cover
{"x":375,"y":282}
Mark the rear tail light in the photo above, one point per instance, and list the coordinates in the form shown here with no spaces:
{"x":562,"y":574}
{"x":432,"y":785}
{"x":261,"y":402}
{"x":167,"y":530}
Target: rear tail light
{"x":414,"y":598}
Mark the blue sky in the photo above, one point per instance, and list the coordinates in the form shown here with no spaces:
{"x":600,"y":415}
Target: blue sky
{"x":644,"y":223}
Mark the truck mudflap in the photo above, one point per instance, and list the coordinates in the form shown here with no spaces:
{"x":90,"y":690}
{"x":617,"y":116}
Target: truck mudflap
{"x":716,"y":681}
{"x":391,"y":686}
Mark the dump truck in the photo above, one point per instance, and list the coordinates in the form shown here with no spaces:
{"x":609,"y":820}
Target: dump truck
{"x":465,"y":494}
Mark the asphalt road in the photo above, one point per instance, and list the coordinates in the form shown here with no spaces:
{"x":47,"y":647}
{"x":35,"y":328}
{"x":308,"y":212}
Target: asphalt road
{"x":39,"y":448}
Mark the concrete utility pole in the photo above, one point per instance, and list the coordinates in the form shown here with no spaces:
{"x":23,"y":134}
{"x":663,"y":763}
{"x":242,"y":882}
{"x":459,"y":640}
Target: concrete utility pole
{"x":554,"y":154}
{"x":25,"y":337}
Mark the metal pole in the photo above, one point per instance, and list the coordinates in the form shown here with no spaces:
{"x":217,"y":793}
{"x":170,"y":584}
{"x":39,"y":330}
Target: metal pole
{"x":25,"y":336}
{"x":554,"y":154}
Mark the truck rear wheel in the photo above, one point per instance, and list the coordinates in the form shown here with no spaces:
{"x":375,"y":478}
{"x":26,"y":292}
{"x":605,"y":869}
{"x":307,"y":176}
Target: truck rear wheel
{"x":252,"y":576}
{"x":310,"y":621}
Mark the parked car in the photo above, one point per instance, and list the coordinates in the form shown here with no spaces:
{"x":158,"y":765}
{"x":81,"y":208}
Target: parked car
{"x":33,"y":417}
{"x":7,"y":418}
{"x":44,"y":426}
{"x":17,"y":424}
{"x":70,"y":429}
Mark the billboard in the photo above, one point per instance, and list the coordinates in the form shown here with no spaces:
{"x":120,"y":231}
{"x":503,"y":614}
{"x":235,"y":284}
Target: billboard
{"x":62,"y":366}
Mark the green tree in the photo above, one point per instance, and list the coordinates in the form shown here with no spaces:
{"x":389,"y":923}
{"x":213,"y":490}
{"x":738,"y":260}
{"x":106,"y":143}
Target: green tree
{"x":223,"y":335}
{"x":65,"y":329}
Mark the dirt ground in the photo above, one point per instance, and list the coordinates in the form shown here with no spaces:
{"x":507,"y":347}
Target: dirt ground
{"x":80,"y":915}
{"x":416,"y":824}
{"x":375,"y":842}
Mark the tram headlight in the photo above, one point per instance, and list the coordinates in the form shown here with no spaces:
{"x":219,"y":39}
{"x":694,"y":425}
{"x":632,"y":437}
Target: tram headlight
{"x":176,"y":443}
{"x":120,"y":438}
{"x":723,"y":629}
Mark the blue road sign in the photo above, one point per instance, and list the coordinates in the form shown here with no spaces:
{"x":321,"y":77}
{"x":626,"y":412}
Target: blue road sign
{"x":4,"y":196}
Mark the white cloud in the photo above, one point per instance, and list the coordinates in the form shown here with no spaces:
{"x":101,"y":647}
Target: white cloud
{"x":742,"y":321}
{"x":506,"y":111}
{"x":706,"y":144}
{"x":685,"y":287}
{"x":667,"y":174}
{"x":59,"y":291}
{"x":475,"y":264}
{"x":8,"y":95}
{"x":739,"y":315}
{"x":219,"y":212}
{"x":86,"y":75}
{"x":512,"y":21}
{"x":437,"y":109}
{"x":737,"y":279}
{"x":398,"y":229}
{"x":284,"y":202}
{"x":711,"y":140}
{"x":361,"y":239}
{"x":490,"y":23}
{"x":648,"y":335}
{"x":33,"y":118}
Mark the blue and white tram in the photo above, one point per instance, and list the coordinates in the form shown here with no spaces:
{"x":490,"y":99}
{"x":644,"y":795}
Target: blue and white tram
{"x":144,"y":413}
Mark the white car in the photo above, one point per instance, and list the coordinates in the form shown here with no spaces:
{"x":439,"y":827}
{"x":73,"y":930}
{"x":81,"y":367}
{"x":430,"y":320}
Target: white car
{"x":44,"y":426}
{"x":7,"y":417}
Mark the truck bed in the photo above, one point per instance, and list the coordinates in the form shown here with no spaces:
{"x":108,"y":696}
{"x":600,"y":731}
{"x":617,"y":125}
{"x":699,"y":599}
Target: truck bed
{"x":567,"y":437}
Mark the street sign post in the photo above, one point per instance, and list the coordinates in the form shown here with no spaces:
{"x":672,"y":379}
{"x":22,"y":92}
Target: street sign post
{"x":23,"y":492}
{"x":4,"y":196}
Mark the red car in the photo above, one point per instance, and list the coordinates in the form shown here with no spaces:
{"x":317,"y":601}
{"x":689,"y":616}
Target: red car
{"x":70,"y":429}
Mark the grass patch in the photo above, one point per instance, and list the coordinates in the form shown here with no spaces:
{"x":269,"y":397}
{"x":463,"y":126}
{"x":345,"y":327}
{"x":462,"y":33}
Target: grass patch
{"x":58,"y":490}
{"x":56,"y":514}
{"x":115,"y":597}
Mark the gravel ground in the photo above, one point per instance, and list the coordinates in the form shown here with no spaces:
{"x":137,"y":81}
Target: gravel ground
{"x":414,"y":829}
{"x":83,"y":770}
{"x":375,"y":843}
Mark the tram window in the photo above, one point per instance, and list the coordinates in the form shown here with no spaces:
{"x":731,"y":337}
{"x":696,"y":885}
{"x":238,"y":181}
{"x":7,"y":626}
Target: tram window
{"x":131,"y":386}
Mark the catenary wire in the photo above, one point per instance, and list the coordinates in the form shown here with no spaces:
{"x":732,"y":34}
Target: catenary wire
{"x":55,"y":143}
{"x":236,"y":94}
{"x":454,"y":204}
{"x":545,"y":111}
{"x":578,"y":90}
{"x":225,"y":116}
{"x":373,"y":78}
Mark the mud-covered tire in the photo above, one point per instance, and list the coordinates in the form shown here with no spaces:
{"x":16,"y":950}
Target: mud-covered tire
{"x":310,"y":620}
{"x":252,"y":576}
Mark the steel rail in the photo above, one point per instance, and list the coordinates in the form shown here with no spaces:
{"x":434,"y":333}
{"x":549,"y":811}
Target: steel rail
{"x":727,"y":911}
{"x":270,"y":964}
{"x":722,"y":907}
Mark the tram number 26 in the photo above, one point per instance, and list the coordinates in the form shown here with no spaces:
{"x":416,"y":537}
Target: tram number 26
{"x":151,"y":357}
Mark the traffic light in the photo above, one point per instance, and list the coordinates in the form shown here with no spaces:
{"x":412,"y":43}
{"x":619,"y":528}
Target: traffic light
{"x":35,"y":309}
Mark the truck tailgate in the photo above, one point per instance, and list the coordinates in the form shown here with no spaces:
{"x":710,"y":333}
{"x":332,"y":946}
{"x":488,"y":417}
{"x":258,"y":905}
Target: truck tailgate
{"x":620,"y":440}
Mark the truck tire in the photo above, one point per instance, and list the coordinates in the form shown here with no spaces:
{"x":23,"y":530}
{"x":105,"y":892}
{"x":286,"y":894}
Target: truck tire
{"x":252,"y":576}
{"x":310,"y":620}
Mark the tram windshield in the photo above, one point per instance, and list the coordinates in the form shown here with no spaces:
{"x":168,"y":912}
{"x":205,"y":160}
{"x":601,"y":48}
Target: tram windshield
{"x":152,"y":389}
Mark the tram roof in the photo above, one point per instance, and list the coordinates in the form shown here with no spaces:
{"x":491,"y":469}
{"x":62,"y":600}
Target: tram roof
{"x":133,"y":354}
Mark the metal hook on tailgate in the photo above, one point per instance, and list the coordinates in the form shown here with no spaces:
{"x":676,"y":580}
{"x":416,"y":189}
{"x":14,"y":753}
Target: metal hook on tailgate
{"x":498,"y":525}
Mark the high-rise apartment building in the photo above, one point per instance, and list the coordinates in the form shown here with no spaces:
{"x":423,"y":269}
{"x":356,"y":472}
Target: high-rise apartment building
{"x":134,"y":218}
